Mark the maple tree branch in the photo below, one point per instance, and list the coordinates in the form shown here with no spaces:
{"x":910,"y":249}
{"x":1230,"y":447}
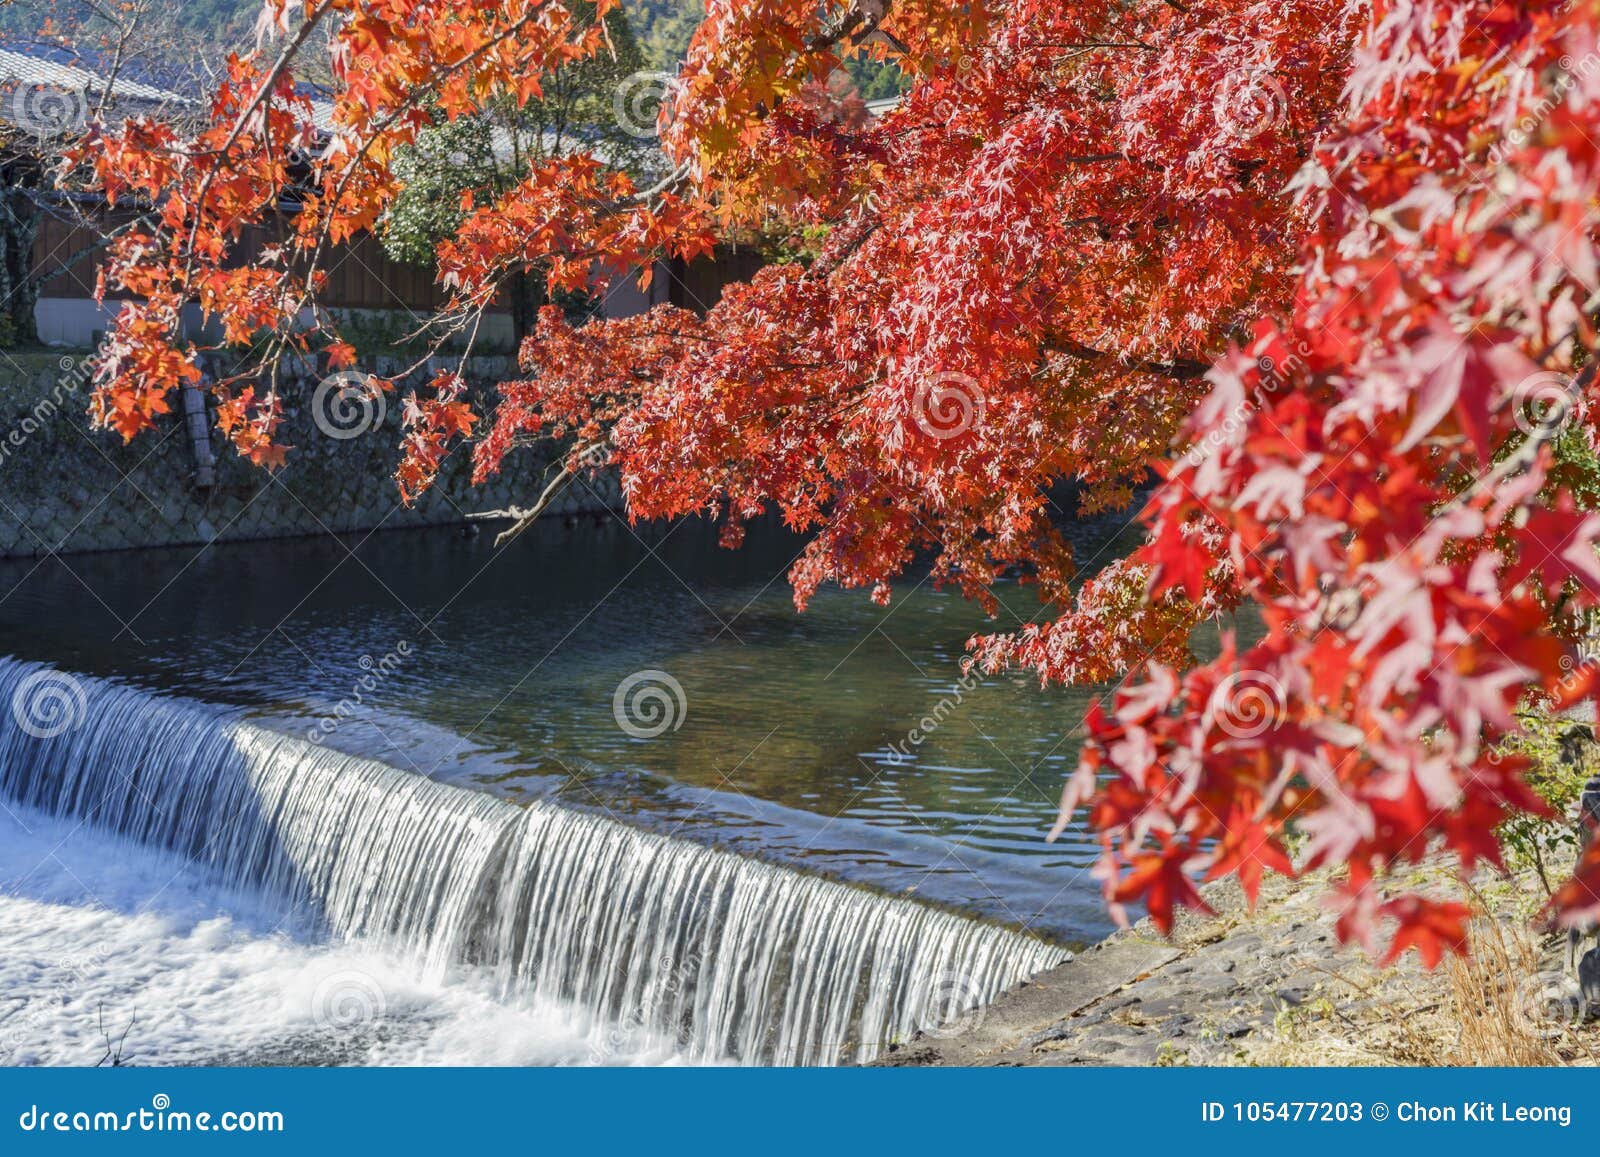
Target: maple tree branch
{"x":1179,"y":368}
{"x":855,"y":25}
{"x":263,"y":93}
{"x":525,"y":518}
{"x":671,"y":181}
{"x":125,"y":33}
{"x":411,"y":101}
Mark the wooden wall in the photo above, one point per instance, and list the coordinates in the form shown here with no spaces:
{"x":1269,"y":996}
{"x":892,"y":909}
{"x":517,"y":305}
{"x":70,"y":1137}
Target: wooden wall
{"x":360,"y":274}
{"x":698,"y":285}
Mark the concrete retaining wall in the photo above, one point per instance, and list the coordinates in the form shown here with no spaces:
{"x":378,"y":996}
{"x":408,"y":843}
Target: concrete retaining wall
{"x":65,"y":487}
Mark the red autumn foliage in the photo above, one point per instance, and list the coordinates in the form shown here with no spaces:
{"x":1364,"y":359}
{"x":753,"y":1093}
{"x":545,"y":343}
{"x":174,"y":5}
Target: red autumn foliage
{"x":1329,"y":267}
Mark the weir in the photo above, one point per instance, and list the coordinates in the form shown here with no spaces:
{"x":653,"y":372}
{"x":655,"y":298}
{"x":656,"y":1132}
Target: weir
{"x":737,"y":960}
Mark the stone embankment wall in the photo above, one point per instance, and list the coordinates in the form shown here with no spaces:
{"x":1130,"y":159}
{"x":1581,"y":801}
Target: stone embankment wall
{"x":65,"y":487}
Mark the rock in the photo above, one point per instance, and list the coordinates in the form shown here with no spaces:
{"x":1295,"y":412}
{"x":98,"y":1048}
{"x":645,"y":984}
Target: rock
{"x":1179,"y":1025}
{"x":1054,"y":1033}
{"x":1176,"y":1005}
{"x":1589,"y":977}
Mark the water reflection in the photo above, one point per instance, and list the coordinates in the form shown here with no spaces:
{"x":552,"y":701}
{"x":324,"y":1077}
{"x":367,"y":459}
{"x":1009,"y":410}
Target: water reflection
{"x":795,"y":739}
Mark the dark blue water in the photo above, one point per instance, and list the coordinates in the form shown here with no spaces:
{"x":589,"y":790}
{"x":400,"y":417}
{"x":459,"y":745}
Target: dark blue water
{"x":781,"y":734}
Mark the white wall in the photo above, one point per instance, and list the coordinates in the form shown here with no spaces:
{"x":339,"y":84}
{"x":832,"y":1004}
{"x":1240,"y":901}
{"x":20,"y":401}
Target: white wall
{"x":71,"y":321}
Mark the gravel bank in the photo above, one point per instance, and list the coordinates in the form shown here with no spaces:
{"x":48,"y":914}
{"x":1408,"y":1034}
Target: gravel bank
{"x":1274,"y":987}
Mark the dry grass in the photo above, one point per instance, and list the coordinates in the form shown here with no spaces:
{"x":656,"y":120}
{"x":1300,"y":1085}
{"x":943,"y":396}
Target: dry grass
{"x":1509,"y":1004}
{"x":1513,"y":1003}
{"x":1362,"y":1015}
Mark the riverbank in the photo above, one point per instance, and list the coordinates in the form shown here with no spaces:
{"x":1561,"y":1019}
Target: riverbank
{"x":1274,"y":987}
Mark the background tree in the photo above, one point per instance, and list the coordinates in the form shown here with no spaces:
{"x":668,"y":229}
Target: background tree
{"x":479,"y":159}
{"x":668,"y":26}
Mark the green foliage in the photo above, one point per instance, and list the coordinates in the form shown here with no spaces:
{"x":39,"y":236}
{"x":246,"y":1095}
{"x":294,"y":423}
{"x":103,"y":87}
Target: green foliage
{"x":376,"y":333}
{"x":665,"y":27}
{"x":1561,"y":753}
{"x":486,"y":156}
{"x":1576,"y":466}
{"x":875,"y":80}
{"x":217,"y":21}
{"x":448,"y":160}
{"x":379,"y":332}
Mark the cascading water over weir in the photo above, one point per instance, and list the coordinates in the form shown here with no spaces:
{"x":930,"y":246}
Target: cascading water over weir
{"x":735,"y":959}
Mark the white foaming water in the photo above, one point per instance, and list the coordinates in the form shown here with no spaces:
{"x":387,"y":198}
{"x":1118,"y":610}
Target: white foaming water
{"x":569,"y":919}
{"x":103,"y":943}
